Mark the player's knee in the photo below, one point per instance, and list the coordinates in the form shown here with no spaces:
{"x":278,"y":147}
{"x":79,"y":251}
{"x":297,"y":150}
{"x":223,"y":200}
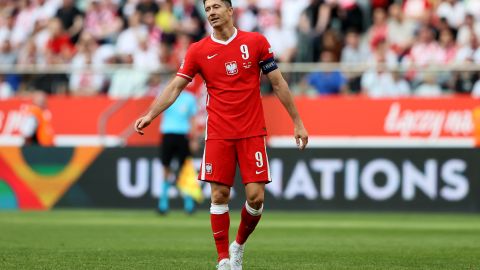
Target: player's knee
{"x":255,"y":201}
{"x":220,"y":196}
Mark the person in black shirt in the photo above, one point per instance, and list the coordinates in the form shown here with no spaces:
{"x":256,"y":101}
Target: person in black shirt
{"x":72,"y":19}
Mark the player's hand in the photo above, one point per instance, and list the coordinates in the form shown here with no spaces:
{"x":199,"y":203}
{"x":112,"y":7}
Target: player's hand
{"x":142,"y":123}
{"x":301,"y":136}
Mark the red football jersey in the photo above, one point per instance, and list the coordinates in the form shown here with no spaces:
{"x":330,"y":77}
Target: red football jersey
{"x":231,"y":70}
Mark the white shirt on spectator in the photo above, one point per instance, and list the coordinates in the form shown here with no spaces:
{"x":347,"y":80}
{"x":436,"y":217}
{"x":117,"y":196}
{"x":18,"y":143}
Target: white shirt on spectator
{"x":465,"y":33}
{"x":84,"y":80}
{"x":400,"y":33}
{"x":280,"y":39}
{"x":247,"y":21}
{"x":128,"y":83}
{"x":128,"y":40}
{"x":464,"y":54}
{"x":428,"y":90}
{"x":146,"y":59}
{"x":41,"y":40}
{"x":48,"y":9}
{"x":379,"y":85}
{"x":476,"y":56}
{"x":4,"y":34}
{"x":476,"y":90}
{"x":6,"y":90}
{"x":351,"y":55}
{"x":473,"y":7}
{"x":24,"y":25}
{"x":291,"y":12}
{"x":454,"y":14}
{"x":424,"y":54}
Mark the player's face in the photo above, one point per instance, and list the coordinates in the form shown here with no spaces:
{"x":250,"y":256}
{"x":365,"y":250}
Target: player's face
{"x":218,"y":13}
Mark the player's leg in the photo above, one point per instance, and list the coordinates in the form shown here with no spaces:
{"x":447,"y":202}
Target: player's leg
{"x":253,"y":161}
{"x":251,"y":211}
{"x":220,"y":218}
{"x":218,"y":168}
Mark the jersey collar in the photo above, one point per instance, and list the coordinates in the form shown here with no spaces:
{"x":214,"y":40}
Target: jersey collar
{"x":228,"y":41}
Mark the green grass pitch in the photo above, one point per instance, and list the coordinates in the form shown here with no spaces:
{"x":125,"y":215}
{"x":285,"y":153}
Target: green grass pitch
{"x":113,"y":239}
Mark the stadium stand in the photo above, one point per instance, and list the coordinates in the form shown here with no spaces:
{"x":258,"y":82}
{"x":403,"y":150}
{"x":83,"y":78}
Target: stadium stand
{"x":398,"y":40}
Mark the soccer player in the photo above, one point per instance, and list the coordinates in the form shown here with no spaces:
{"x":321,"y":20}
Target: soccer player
{"x":231,"y":62}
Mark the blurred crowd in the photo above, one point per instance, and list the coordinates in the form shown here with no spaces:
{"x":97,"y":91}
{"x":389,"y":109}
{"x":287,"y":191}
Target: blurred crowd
{"x":400,"y":40}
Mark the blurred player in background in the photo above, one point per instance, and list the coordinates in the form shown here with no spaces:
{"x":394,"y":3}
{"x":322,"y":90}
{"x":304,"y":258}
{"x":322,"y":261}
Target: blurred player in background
{"x":231,"y":62}
{"x":178,"y":135}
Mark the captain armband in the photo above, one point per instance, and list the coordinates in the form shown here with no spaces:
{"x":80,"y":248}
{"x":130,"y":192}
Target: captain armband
{"x":268,"y":65}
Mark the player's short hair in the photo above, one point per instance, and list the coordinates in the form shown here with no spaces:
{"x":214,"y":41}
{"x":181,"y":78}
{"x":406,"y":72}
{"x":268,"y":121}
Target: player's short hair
{"x":228,"y":3}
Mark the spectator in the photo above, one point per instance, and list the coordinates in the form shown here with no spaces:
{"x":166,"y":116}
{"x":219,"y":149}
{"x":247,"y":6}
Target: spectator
{"x":71,"y":18}
{"x":190,"y":20}
{"x":180,"y":49}
{"x":354,"y":52}
{"x":429,"y":87}
{"x":166,"y":21}
{"x":145,"y":6}
{"x":146,"y":57}
{"x":470,"y":29}
{"x":28,"y":54}
{"x":128,"y":40}
{"x":59,"y":44}
{"x":327,"y":83}
{"x":383,"y":54}
{"x":400,"y":32}
{"x":6,"y":28}
{"x":6,"y":91}
{"x":86,"y":82}
{"x":350,"y":15}
{"x":380,"y":83}
{"x":463,"y":82}
{"x":448,"y":46}
{"x":50,"y":83}
{"x":291,"y":11}
{"x":416,"y":9}
{"x":154,"y":33}
{"x":126,"y":82}
{"x":476,"y":89}
{"x":453,"y":11}
{"x":283,"y":41}
{"x":25,"y":22}
{"x":248,"y":18}
{"x":102,"y":21}
{"x":425,"y":49}
{"x":378,"y":31}
{"x":314,"y":20}
{"x":46,"y":9}
{"x":466,"y":53}
{"x":8,"y":55}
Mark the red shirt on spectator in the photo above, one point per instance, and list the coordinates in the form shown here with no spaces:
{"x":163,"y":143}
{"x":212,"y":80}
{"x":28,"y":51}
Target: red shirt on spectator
{"x":60,"y":44}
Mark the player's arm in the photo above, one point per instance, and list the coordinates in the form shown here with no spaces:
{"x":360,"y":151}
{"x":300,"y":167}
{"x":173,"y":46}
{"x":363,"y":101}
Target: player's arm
{"x":282,"y":91}
{"x":162,"y":102}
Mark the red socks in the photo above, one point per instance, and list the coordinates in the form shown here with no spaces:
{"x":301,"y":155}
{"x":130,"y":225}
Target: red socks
{"x":220,"y":220}
{"x":250,"y":218}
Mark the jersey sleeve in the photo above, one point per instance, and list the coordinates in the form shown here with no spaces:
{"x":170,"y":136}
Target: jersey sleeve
{"x":189,"y":67}
{"x":266,"y":58}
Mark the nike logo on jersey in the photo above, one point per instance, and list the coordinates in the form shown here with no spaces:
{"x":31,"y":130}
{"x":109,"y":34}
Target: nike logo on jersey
{"x":259,"y":172}
{"x":211,"y":56}
{"x":215,"y":233}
